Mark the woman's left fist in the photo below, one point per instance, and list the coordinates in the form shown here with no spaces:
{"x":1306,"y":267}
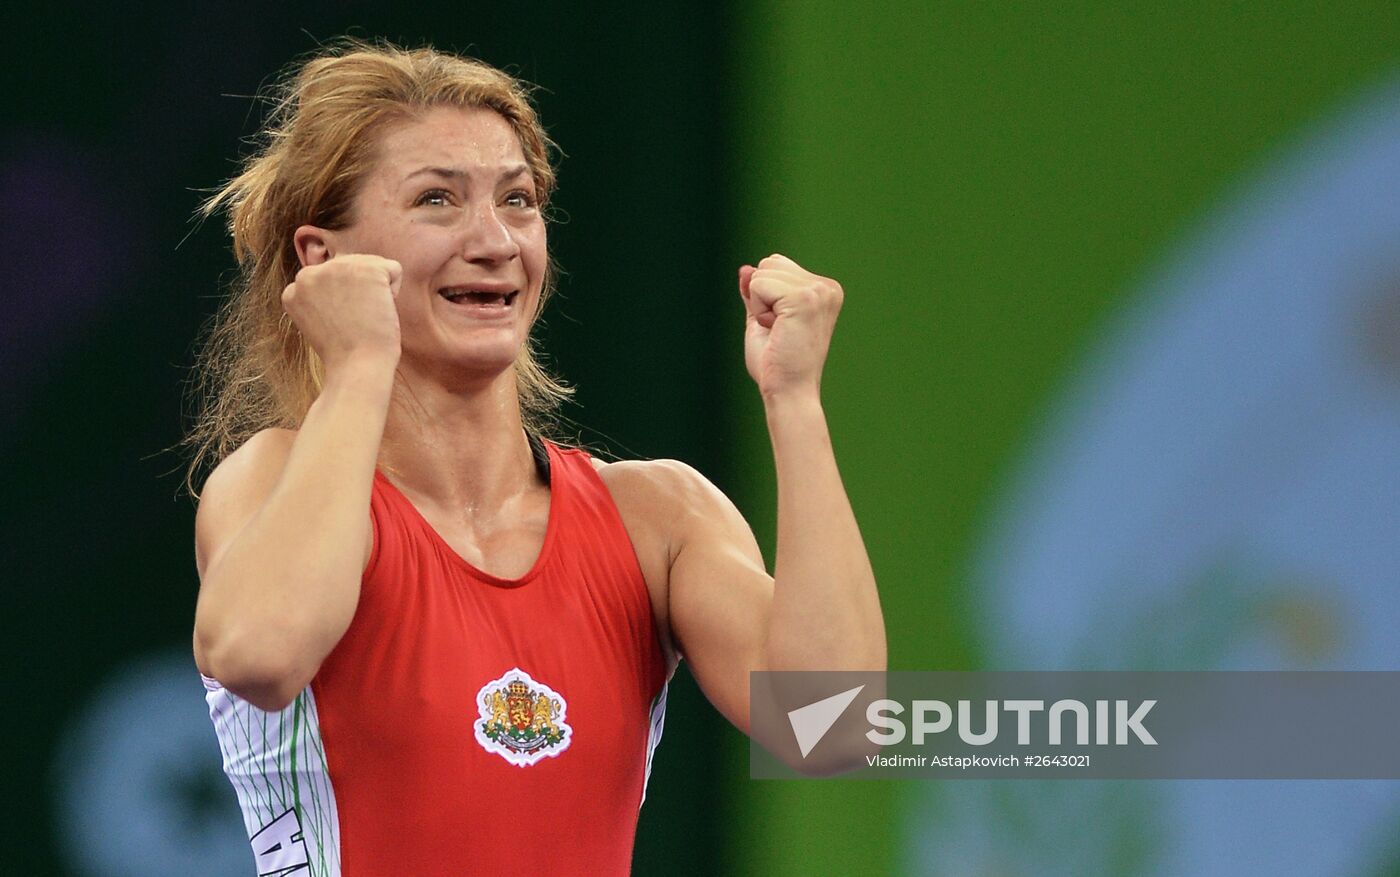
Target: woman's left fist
{"x":791,"y":313}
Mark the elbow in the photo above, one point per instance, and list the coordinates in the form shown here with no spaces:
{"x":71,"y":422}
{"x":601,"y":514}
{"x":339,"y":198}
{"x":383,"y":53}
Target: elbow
{"x":252,"y":668}
{"x":842,"y":756}
{"x":791,"y":719}
{"x":268,"y":686}
{"x":270,"y":696}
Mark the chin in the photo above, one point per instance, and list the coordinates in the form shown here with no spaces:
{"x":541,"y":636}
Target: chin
{"x":486,"y":353}
{"x":478,"y":365}
{"x":461,"y":362}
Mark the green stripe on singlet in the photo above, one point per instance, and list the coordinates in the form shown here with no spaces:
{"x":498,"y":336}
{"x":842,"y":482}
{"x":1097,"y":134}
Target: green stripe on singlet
{"x":230,"y":755}
{"x":262,"y":793}
{"x":323,"y":814}
{"x":317,"y":817}
{"x":298,"y":706}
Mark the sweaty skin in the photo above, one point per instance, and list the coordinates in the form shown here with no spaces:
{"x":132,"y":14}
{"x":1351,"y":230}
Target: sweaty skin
{"x":419,"y":382}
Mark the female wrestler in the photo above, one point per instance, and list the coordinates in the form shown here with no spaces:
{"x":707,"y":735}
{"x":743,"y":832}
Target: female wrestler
{"x":426,"y":634}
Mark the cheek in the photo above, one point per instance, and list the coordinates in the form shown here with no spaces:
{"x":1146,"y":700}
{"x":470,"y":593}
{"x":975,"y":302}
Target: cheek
{"x":412,"y":309}
{"x":426,"y":249}
{"x":534,"y":252}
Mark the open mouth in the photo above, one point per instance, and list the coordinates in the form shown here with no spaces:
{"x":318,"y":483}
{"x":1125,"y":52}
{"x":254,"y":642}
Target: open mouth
{"x":480,"y":298}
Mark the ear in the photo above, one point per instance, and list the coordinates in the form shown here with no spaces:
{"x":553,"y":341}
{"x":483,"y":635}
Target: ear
{"x":314,"y":245}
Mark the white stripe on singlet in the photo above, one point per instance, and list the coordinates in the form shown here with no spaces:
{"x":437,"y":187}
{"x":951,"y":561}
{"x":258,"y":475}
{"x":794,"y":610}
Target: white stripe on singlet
{"x":658,"y":723}
{"x":277,"y":765}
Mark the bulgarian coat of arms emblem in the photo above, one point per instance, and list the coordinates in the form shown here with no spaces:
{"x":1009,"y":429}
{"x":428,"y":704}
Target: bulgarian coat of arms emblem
{"x":521,"y":720}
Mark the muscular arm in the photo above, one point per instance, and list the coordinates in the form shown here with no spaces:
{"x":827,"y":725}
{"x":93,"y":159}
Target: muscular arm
{"x":283,"y":534}
{"x":826,"y":609}
{"x":820,"y":610}
{"x":282,"y":538}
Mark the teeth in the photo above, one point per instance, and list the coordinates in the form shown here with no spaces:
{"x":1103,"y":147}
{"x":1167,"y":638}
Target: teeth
{"x":457,"y":295}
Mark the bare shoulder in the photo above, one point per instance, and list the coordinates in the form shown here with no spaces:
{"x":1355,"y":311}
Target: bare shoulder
{"x":236,"y":488}
{"x":668,"y":494}
{"x":662,"y":487}
{"x":668,"y":507}
{"x":259,"y":459}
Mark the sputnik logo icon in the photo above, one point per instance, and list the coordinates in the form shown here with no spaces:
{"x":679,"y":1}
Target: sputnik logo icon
{"x":811,"y":722}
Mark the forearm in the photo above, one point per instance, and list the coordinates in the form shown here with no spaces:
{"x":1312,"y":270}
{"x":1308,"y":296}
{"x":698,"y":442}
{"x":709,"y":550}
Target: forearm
{"x":277,"y":600}
{"x":826,"y":609}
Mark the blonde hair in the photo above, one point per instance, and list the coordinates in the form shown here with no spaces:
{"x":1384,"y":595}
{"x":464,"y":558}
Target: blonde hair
{"x":254,"y":370}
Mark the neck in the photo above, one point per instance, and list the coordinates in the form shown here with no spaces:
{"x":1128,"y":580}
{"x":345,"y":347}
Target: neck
{"x":460,"y":447}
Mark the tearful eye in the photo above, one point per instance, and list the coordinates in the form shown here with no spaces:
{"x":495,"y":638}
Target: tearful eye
{"x":433,"y":198}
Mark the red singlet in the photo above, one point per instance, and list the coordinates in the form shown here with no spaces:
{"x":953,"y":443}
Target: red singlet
{"x":467,"y":724}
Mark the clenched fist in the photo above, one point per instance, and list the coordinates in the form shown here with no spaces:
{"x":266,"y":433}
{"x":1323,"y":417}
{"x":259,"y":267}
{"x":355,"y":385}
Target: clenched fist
{"x":345,"y":310}
{"x":791,"y":313}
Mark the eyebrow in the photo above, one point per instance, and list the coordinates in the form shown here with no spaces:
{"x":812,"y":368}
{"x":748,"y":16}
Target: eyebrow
{"x":453,"y":173}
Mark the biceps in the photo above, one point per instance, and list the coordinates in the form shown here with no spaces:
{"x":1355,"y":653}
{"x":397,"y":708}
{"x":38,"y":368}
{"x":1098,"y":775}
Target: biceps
{"x":720,"y":598}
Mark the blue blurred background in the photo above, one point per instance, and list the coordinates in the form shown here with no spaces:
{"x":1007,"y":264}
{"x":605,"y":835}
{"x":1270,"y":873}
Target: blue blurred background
{"x":1117,"y":384}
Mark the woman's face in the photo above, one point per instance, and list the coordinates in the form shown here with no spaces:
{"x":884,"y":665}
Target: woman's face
{"x":452,"y":200}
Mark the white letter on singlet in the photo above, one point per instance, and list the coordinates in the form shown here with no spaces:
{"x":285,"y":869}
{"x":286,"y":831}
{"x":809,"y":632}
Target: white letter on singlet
{"x":279,"y":847}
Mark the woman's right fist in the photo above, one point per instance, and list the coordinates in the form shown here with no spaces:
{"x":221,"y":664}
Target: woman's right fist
{"x":344,"y":308}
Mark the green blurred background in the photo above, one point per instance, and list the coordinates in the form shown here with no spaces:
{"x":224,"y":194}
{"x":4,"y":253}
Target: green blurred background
{"x":991,"y":183}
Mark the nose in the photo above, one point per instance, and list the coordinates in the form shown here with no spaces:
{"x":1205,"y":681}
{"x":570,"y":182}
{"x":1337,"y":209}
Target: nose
{"x":486,"y":237}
